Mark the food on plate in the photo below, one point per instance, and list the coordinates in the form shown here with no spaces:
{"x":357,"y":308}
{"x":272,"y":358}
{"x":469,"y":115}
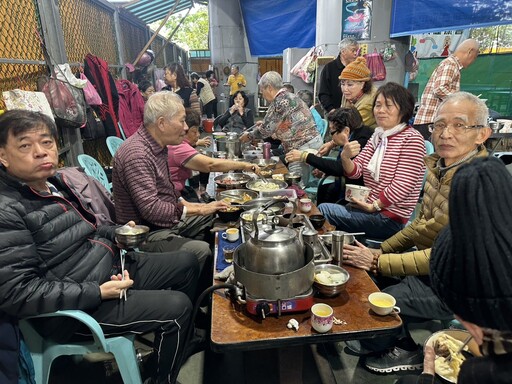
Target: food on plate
{"x":238,"y":200}
{"x":278,"y":177}
{"x":265,"y":186}
{"x":329,"y":277}
{"x":228,"y":181}
{"x":248,"y":216}
{"x":444,"y":347}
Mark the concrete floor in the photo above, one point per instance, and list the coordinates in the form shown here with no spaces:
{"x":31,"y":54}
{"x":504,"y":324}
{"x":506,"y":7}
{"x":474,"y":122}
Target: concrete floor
{"x":321,"y":364}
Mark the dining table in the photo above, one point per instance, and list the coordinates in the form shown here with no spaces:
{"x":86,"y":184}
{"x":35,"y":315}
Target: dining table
{"x":234,"y":329}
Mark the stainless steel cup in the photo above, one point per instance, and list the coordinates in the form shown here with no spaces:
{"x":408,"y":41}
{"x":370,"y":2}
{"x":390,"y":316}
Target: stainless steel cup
{"x":338,"y":239}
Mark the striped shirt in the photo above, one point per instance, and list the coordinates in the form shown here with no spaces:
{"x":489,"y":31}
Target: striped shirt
{"x":143,"y":190}
{"x":401,"y":173}
{"x":444,"y":81}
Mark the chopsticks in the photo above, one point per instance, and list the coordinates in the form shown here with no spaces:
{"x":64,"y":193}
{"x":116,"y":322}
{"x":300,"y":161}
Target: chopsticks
{"x":122,"y":254}
{"x":449,"y":358}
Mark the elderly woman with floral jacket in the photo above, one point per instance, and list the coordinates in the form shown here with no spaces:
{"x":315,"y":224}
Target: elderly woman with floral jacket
{"x":459,"y":131}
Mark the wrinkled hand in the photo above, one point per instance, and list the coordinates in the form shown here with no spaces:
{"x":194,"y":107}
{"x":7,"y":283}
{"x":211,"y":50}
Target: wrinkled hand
{"x":248,"y":167}
{"x":206,"y":142}
{"x":112,"y":289}
{"x":325,"y":148}
{"x":245,"y":138}
{"x":428,"y":361}
{"x":317,"y":173}
{"x":293,"y":155}
{"x":358,"y":256}
{"x":351,"y":150}
{"x":213,"y":207}
{"x":362,"y":205}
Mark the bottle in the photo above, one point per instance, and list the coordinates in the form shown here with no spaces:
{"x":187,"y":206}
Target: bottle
{"x":266,"y":151}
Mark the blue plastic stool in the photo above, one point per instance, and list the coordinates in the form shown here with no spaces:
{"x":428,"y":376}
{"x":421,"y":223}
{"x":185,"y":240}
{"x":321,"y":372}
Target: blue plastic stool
{"x":44,"y":351}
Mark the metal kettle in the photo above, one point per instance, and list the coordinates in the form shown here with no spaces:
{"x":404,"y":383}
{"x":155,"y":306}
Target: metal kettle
{"x":273,"y":250}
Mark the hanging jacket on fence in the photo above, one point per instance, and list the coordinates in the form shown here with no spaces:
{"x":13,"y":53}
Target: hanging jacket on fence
{"x":131,"y":106}
{"x":97,"y":72}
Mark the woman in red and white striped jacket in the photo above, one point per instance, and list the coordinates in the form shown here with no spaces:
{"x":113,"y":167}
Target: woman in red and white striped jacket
{"x":391,"y":164}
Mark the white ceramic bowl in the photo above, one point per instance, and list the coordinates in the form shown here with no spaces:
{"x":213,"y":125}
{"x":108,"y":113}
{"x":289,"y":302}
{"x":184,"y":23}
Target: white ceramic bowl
{"x":358,"y":191}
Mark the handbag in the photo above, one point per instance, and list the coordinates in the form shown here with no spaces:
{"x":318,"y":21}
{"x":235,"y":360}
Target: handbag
{"x":92,"y":97}
{"x":66,"y":101}
{"x":27,"y":100}
{"x":376,"y":65}
{"x":94,"y":128}
{"x":305,"y":67}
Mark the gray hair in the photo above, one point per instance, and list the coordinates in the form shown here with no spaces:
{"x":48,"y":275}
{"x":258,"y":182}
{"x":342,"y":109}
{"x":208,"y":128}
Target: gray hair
{"x":271,"y":79}
{"x":347,"y":42}
{"x":481,"y":109}
{"x":306,"y":96}
{"x":161,"y":104}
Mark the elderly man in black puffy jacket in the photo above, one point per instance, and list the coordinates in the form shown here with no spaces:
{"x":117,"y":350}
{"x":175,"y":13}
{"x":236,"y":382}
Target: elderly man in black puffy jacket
{"x":53,"y":255}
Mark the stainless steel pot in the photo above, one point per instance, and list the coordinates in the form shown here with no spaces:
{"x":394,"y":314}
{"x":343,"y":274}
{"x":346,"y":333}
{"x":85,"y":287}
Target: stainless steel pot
{"x":232,"y":145}
{"x":272,"y":286}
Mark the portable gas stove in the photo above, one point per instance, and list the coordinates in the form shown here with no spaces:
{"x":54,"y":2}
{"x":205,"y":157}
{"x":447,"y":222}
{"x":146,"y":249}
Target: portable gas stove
{"x":263,"y":307}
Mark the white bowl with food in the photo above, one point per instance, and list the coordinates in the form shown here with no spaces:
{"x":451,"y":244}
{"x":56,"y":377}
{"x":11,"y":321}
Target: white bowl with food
{"x":446,"y":343}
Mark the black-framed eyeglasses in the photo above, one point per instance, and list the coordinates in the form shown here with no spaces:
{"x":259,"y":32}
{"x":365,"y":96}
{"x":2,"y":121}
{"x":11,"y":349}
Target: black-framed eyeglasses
{"x":455,"y":128}
{"x":334,"y":132}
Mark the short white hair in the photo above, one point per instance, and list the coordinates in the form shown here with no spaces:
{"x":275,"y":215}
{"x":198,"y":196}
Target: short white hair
{"x":347,"y":42}
{"x":161,"y":104}
{"x":481,"y":109}
{"x":271,"y":79}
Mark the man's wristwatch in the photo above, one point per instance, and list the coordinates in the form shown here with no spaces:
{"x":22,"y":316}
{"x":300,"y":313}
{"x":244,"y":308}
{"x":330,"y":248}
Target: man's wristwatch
{"x":376,"y":206}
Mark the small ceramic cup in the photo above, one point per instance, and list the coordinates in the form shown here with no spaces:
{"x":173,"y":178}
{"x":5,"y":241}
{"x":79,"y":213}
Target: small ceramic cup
{"x":305,"y":205}
{"x":356,"y":191}
{"x":322,"y":317}
{"x":231,"y":234}
{"x":383,"y":303}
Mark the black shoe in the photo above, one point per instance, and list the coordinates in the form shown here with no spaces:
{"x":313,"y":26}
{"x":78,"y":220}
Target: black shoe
{"x":397,"y":359}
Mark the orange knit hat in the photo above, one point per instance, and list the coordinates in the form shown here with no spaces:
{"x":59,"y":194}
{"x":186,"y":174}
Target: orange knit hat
{"x":356,"y":70}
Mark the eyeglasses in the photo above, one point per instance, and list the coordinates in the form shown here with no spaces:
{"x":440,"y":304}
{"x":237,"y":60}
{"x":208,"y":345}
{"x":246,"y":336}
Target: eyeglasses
{"x":455,"y":128}
{"x":334,"y":132}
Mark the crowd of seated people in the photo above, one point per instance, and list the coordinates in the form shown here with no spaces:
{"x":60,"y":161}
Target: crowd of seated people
{"x":150,"y":170}
{"x":455,"y":145}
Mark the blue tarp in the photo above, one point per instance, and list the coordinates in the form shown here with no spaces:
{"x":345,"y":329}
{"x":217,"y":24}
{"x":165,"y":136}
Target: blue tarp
{"x":422,"y":16}
{"x":274,"y":25}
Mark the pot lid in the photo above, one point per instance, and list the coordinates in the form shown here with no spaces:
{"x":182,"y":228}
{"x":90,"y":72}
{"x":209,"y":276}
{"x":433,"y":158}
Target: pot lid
{"x":272,"y":234}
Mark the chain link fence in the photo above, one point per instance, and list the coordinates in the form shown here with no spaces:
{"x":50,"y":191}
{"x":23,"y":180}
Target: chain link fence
{"x":84,"y":26}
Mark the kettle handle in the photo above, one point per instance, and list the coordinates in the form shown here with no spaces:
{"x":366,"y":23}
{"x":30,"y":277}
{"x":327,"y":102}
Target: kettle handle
{"x":261,"y":210}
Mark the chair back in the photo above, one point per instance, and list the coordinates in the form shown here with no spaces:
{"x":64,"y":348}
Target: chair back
{"x":94,"y":169}
{"x":45,"y":350}
{"x":113,"y":143}
{"x":429,"y":147}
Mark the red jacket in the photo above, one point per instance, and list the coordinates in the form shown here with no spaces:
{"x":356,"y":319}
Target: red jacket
{"x":131,"y":106}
